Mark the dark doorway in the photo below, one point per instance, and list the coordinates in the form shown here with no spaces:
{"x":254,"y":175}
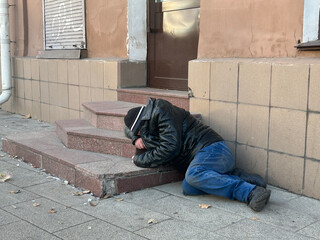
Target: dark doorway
{"x":172,"y":42}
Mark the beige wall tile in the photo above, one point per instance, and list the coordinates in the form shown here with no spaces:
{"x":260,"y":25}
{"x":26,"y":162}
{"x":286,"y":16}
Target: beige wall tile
{"x":63,"y":96}
{"x":63,"y":71}
{"x":111,"y":75}
{"x":223,"y":119}
{"x":19,"y":87}
{"x":27,"y":68}
{"x":53,"y":70}
{"x":253,"y":123}
{"x":18,"y":68}
{"x":61,"y":113}
{"x":74,"y":97}
{"x":287,"y":131}
{"x":312,"y":179}
{"x":313,"y":136}
{"x":97,"y":74}
{"x":43,"y":70}
{"x":44,"y":92}
{"x":132,"y":74}
{"x":53,"y":113}
{"x":314,"y":93}
{"x":201,"y":106}
{"x":35,"y":90}
{"x":73,"y":72}
{"x":110,"y":95}
{"x":285,"y":171}
{"x":53,"y":93}
{"x":290,"y":86}
{"x":198,"y":79}
{"x":96,"y":94}
{"x":224,"y":81}
{"x":84,"y":73}
{"x":20,"y":106}
{"x":74,"y":114}
{"x":232,"y":147}
{"x":253,"y":160}
{"x":254,"y":83}
{"x":28,"y":89}
{"x":85,"y":94}
{"x":7,"y":106}
{"x":36,"y":110}
{"x":28,"y":107}
{"x":35,"y":69}
{"x":45,"y":112}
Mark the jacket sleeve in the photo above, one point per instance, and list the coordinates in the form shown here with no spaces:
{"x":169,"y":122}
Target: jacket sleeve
{"x":169,"y":142}
{"x":129,"y":134}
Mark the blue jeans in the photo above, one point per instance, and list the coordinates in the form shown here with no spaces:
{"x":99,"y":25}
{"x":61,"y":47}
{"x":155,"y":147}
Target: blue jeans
{"x":208,"y":173}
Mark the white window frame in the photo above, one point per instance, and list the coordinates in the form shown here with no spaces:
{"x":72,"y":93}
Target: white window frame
{"x":311,"y":20}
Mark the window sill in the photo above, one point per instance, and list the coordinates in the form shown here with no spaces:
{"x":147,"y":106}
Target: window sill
{"x":309,"y":46}
{"x":64,"y":54}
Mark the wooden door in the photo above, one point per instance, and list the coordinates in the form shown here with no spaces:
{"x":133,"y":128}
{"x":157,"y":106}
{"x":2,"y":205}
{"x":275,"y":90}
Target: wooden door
{"x":172,"y":42}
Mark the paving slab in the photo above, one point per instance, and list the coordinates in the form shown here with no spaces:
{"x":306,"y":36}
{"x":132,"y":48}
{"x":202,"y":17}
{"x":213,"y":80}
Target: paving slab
{"x":254,"y":229}
{"x":6,"y":218}
{"x":176,"y":230}
{"x":23,"y":230}
{"x":312,"y":231}
{"x":63,"y":218}
{"x":118,"y":212}
{"x":9,"y":199}
{"x":96,"y":229}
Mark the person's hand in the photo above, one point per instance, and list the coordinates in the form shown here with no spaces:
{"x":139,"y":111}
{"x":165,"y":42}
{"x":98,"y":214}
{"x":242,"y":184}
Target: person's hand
{"x":139,"y":144}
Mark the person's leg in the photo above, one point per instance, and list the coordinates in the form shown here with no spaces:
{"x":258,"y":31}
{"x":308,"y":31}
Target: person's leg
{"x":208,"y":172}
{"x":187,"y":189}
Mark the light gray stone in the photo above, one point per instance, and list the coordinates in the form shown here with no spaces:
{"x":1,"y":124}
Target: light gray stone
{"x":96,"y":229}
{"x":6,"y":218}
{"x":51,"y":222}
{"x":22,"y":230}
{"x":312,"y":231}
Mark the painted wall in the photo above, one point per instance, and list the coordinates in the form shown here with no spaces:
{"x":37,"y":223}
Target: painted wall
{"x":250,"y":28}
{"x":106,"y":26}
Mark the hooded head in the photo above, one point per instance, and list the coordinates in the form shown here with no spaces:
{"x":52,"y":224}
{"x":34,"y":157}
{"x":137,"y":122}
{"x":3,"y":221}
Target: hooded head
{"x":133,"y":119}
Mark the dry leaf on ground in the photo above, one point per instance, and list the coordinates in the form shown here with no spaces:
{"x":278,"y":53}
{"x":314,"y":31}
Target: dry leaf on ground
{"x":27,"y":116}
{"x":77,"y":193}
{"x":119,"y":199}
{"x":36,"y":204}
{"x":52,"y":210}
{"x":205,"y":206}
{"x":107,"y":196}
{"x":255,"y":218}
{"x":86,"y":191}
{"x":152,"y":220}
{"x":15,"y":192}
{"x":93,"y":204}
{"x":4,"y":176}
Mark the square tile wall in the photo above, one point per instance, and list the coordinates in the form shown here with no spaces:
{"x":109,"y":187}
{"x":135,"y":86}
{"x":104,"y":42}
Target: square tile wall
{"x":314,"y":89}
{"x":224,"y":74}
{"x":254,"y":83}
{"x":199,"y":78}
{"x":313,"y":136}
{"x":223,"y":119}
{"x":312,"y":179}
{"x":253,"y":124}
{"x":286,"y":171}
{"x":253,"y":160}
{"x":290,"y":86}
{"x":287,"y":131}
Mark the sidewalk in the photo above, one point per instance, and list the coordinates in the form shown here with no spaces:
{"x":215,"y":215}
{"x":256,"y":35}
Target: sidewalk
{"x":35,"y":205}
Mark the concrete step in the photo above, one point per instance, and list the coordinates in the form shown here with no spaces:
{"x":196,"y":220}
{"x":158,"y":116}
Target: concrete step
{"x":141,"y":95}
{"x":80,"y":134}
{"x":107,"y":114}
{"x":100,"y":173}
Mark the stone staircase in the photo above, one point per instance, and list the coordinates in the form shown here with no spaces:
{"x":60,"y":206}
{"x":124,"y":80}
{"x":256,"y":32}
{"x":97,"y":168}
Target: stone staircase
{"x":93,"y":153}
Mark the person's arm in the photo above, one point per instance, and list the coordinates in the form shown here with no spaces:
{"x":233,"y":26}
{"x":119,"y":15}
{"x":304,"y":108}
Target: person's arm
{"x":129,"y":134}
{"x":169,"y":143}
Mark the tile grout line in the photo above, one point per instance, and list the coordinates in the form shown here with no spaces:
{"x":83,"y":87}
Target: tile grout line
{"x":237,"y":116}
{"x":269,"y":123}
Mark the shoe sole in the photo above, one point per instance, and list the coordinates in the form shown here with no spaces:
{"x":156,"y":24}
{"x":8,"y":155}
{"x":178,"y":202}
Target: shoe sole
{"x":258,"y":204}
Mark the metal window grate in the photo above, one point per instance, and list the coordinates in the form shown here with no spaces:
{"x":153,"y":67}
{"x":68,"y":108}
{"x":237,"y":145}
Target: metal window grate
{"x":64,"y":24}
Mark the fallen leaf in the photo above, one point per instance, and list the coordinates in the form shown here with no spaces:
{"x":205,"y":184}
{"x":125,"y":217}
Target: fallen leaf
{"x":4,"y":176}
{"x":36,"y":204}
{"x":107,"y":196}
{"x":52,"y":210}
{"x":1,"y":155}
{"x":152,"y":220}
{"x":15,"y":192}
{"x":27,"y":116}
{"x":92,"y":204}
{"x":77,"y":193}
{"x":205,"y":206}
{"x":254,"y":218}
{"x":86,"y":191}
{"x":119,"y":199}
{"x":66,"y":207}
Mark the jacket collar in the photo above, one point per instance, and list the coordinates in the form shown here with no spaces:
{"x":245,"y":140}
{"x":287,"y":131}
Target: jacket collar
{"x":148,"y":109}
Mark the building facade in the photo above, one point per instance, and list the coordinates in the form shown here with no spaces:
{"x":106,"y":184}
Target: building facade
{"x":252,"y":69}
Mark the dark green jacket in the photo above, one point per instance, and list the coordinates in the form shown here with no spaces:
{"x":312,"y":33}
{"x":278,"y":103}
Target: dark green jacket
{"x":171,"y":135}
